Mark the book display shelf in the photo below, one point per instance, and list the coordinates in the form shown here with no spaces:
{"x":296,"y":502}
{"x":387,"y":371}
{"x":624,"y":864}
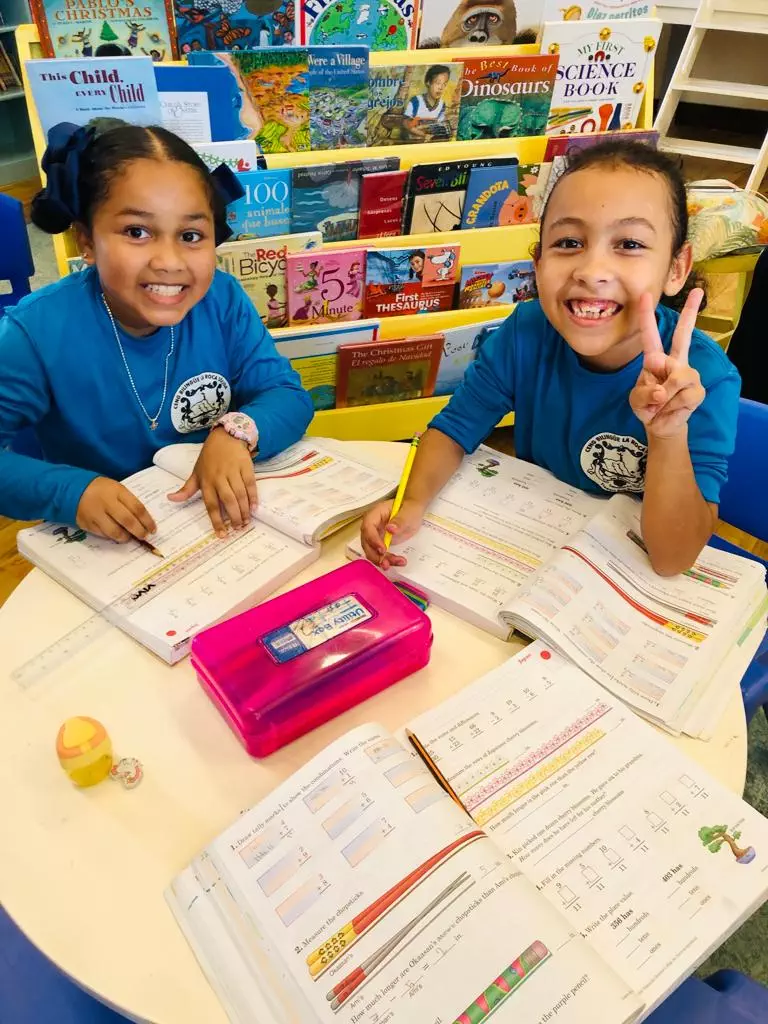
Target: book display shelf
{"x":397,"y":420}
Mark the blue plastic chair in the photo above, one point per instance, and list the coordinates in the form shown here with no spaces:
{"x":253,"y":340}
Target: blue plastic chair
{"x":33,"y":991}
{"x":744,"y":504}
{"x":16,"y":263}
{"x":725,"y":996}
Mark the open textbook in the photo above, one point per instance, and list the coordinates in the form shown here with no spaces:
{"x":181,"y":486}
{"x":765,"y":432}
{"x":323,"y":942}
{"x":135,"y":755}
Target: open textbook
{"x":508,"y":546}
{"x":304,"y":494}
{"x":583,"y":862}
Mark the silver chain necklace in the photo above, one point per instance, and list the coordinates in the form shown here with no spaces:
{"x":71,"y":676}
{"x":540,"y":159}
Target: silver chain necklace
{"x":152,"y":420}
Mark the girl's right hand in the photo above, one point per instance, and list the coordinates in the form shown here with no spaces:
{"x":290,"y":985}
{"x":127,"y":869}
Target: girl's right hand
{"x":376,"y":525}
{"x":108,"y":509}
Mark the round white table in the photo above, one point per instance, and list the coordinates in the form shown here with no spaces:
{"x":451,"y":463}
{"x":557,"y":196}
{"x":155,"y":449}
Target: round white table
{"x":83,"y":872}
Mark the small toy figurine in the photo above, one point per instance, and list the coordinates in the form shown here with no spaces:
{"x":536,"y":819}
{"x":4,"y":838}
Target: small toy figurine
{"x":84,"y":750}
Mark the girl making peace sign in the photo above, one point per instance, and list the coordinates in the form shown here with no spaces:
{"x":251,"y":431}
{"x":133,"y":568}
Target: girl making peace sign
{"x":612,"y":390}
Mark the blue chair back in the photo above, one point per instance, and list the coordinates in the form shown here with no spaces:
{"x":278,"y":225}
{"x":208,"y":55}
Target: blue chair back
{"x":744,"y":499}
{"x":16,"y":263}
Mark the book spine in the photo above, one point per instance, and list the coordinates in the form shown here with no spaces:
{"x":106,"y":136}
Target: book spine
{"x":40,"y":18}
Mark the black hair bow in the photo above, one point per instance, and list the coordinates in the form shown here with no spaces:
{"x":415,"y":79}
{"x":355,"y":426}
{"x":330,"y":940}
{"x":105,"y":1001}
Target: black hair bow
{"x":229,"y":190}
{"x":61,"y":163}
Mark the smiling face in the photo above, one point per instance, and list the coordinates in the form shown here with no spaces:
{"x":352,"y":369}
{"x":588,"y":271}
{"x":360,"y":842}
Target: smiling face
{"x":417,"y":265}
{"x":152,"y":241}
{"x":607,"y":238}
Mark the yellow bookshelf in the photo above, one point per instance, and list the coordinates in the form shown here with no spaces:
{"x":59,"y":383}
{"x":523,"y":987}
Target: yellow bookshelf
{"x":396,"y":420}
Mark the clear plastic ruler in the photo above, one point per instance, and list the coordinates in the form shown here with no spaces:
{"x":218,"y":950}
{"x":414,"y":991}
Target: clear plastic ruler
{"x":166,"y":575}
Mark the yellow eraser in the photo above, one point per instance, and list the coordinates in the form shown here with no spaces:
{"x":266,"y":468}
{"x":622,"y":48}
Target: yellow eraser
{"x":84,"y":750}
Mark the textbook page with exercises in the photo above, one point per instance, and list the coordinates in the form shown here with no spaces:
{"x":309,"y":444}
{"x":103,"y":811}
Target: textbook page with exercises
{"x":508,"y":546}
{"x":528,"y":850}
{"x":197,"y":579}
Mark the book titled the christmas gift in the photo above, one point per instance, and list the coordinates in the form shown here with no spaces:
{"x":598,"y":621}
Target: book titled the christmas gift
{"x":388,"y":371}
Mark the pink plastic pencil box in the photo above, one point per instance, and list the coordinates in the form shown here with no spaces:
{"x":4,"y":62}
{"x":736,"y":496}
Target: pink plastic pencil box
{"x":282,"y":669}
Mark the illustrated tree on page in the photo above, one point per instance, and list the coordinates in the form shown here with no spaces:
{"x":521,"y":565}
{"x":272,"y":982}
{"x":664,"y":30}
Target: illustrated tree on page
{"x":716,"y":836}
{"x":108,"y":35}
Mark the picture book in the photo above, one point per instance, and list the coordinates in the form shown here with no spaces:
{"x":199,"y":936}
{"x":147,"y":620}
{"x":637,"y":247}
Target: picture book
{"x":402,"y":281}
{"x":74,"y":30}
{"x":450,"y":23}
{"x":80,"y":90}
{"x":388,"y":371}
{"x":274,"y":87}
{"x":525,"y":851}
{"x":602,"y":74}
{"x":583,"y":552}
{"x":496,"y":284}
{"x":382,"y":202}
{"x":313,"y":353}
{"x":596,"y":10}
{"x":234,"y":24}
{"x":491,"y":198}
{"x":504,"y":97}
{"x":326,"y":197}
{"x":377,"y":24}
{"x":461,"y":346}
{"x":413,"y":103}
{"x":265,"y":209}
{"x":304,"y":494}
{"x":326,"y":287}
{"x":437,"y":193}
{"x":338,"y":96}
{"x":261,"y":269}
{"x":239,"y":156}
{"x":201,"y":104}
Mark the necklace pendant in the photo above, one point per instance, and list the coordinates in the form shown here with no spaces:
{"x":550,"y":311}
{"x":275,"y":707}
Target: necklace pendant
{"x":153,"y":424}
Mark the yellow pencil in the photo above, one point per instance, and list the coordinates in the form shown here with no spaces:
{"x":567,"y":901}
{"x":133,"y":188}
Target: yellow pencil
{"x":397,"y":504}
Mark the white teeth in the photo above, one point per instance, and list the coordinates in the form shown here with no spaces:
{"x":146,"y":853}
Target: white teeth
{"x":165,"y":289}
{"x":590,"y":311}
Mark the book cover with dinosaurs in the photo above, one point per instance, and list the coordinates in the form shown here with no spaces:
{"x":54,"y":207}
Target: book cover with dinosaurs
{"x":338,"y":96}
{"x":234,"y":24}
{"x":274,"y":86}
{"x":506,"y":97}
{"x":414,"y":103}
{"x":388,"y":371}
{"x":377,"y":24}
{"x":402,"y":281}
{"x":261,"y":268}
{"x":602,"y":74}
{"x":325,"y":287}
{"x":69,"y":29}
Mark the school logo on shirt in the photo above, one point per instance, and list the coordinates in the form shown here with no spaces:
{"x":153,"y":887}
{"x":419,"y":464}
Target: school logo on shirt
{"x":199,"y":402}
{"x":614,"y":462}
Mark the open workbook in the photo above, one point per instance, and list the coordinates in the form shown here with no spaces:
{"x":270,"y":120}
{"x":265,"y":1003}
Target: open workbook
{"x":580,"y":870}
{"x":508,"y":546}
{"x":304,"y":494}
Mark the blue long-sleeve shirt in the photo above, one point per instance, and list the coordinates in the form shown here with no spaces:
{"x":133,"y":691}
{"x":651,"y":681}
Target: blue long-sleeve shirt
{"x":577,"y":422}
{"x":61,"y":373}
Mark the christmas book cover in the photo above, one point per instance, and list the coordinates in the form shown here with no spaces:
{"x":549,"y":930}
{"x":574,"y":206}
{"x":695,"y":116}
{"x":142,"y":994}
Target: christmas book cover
{"x":388,"y":371}
{"x":98,"y":28}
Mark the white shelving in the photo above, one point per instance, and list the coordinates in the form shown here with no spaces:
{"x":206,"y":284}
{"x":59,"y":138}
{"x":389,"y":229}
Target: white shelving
{"x":733,"y":16}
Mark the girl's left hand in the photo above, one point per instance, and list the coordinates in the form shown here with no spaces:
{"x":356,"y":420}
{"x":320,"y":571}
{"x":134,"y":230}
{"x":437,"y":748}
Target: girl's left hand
{"x":668,"y":390}
{"x":225,"y":476}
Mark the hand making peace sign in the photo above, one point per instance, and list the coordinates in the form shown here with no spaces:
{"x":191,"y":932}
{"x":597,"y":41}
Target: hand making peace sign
{"x":668,"y":389}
